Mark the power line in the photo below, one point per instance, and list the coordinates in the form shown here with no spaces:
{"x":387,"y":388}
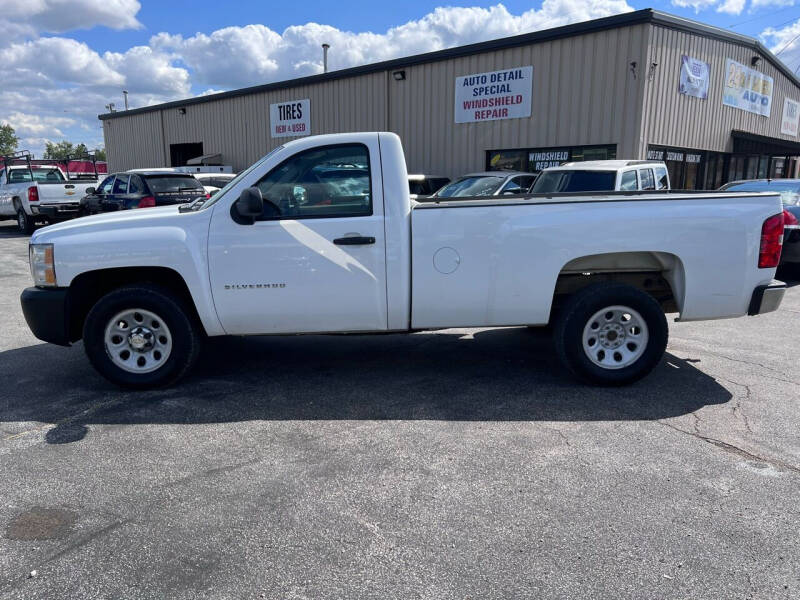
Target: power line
{"x":791,"y":41}
{"x":776,"y":12}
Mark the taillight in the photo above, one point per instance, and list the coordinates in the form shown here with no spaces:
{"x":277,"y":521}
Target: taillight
{"x":208,"y":195}
{"x":33,"y":194}
{"x":789,"y":218}
{"x":147,"y":202}
{"x":771,"y":242}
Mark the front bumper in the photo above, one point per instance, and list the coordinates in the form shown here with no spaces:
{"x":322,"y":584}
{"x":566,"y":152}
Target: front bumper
{"x":46,"y":312}
{"x":767,"y":298}
{"x":56,"y":212}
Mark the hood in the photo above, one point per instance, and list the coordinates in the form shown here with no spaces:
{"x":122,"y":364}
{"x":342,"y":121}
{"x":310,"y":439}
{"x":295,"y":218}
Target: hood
{"x":123,"y":219}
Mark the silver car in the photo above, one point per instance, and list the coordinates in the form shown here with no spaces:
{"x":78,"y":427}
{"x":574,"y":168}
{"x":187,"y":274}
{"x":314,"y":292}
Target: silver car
{"x":488,"y":183}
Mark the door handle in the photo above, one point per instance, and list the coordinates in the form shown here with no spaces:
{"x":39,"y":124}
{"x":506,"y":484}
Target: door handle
{"x":354,"y":240}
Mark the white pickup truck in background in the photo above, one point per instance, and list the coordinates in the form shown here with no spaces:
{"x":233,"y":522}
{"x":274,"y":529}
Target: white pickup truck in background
{"x":603,"y":176}
{"x":320,"y":236}
{"x":32,"y":193}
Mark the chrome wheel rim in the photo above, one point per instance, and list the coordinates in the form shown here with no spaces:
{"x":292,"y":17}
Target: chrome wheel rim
{"x":138,"y":340}
{"x":615,"y":337}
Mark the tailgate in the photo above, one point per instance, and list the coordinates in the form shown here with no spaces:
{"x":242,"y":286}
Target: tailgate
{"x":66,"y":192}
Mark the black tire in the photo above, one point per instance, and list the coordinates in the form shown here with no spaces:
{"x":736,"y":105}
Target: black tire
{"x":575,"y":316}
{"x":184,"y":333}
{"x":25,"y":224}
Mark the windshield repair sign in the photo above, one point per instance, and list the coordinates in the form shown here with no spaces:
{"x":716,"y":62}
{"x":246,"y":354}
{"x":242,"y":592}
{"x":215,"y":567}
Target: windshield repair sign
{"x":289,"y":119}
{"x":493,"y":96}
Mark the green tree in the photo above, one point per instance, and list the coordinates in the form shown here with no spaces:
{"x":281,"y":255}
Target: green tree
{"x":100,"y":154}
{"x":8,"y":140}
{"x":58,"y":151}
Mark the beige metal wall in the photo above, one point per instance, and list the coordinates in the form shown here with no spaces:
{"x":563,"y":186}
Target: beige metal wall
{"x":583,"y":93}
{"x":238,"y":127}
{"x":674,"y":119}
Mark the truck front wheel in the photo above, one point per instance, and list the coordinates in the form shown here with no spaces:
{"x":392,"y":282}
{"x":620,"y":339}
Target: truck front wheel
{"x":611,"y":334}
{"x":141,"y":337}
{"x":25,"y":224}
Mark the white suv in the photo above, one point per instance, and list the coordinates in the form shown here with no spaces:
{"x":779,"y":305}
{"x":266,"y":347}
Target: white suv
{"x":603,"y":176}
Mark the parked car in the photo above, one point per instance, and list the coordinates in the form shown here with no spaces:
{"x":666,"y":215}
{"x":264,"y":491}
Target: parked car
{"x":425,"y":185}
{"x":214,"y":182}
{"x":40,"y":192}
{"x":789,"y":189}
{"x":603,"y":176}
{"x":141,"y":189}
{"x":487,"y":183}
{"x":270,"y":256}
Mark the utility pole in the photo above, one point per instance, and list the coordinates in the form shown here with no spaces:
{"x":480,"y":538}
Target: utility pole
{"x":325,"y":57}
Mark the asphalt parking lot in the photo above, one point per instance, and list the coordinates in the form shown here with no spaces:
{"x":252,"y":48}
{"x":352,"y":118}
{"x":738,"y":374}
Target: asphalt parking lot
{"x":455,"y":464}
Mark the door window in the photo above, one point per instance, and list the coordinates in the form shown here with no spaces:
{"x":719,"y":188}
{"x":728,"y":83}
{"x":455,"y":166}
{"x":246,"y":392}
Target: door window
{"x":121,"y":184}
{"x":105,"y":186}
{"x":646,"y":176}
{"x":331,"y":181}
{"x":661,"y":178}
{"x":628,"y":182}
{"x":135,"y":185}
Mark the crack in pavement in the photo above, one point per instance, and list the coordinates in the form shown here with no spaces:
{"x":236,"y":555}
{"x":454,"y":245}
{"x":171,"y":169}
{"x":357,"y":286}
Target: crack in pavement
{"x":732,"y":449}
{"x":736,"y":408}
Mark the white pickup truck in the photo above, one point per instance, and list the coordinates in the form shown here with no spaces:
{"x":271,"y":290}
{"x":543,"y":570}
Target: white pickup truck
{"x":320,"y":236}
{"x":39,"y":192}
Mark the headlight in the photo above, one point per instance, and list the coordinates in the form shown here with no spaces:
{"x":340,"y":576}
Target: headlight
{"x":43,"y":267}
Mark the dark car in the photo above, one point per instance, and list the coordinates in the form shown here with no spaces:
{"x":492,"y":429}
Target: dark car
{"x":488,"y":183}
{"x":141,"y":189}
{"x":789,"y":189}
{"x":425,"y":185}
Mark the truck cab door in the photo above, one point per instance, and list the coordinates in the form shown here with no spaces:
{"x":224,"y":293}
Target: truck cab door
{"x":91,"y":202}
{"x":315,"y":260}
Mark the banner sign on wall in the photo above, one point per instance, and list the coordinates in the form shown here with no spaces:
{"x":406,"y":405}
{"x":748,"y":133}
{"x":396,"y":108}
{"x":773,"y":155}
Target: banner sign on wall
{"x":287,"y":119}
{"x":493,"y":96}
{"x":791,"y":117}
{"x":694,"y":77}
{"x":747,"y":89}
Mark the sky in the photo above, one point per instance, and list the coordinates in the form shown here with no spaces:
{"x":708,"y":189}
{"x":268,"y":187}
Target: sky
{"x":63,"y":61}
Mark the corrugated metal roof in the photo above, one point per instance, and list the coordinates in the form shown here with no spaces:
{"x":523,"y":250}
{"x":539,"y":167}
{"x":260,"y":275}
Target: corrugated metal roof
{"x":647,"y":15}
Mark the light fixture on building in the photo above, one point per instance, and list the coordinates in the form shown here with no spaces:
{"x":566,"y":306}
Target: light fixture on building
{"x":754,"y":61}
{"x":399,"y":75}
{"x":182,"y":110}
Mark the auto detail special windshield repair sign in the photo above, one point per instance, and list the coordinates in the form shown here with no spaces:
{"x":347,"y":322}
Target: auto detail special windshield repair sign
{"x":291,"y":118}
{"x":492,"y":96}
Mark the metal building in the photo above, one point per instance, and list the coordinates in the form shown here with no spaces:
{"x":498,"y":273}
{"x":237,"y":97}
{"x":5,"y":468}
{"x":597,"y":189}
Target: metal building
{"x":714,"y":105}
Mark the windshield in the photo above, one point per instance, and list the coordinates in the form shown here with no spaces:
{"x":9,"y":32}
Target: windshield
{"x":43,"y":175}
{"x":478,"y":185}
{"x":160,"y":184}
{"x":550,"y":182}
{"x":789,"y":191}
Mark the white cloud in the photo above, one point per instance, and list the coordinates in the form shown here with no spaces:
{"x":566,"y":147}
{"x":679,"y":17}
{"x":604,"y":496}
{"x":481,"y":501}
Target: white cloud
{"x":54,"y":87}
{"x":217,"y":59}
{"x":58,"y":16}
{"x":731,"y":7}
{"x":785,"y":40}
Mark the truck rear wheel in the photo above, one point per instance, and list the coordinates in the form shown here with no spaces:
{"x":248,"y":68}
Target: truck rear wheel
{"x":141,"y":337}
{"x":611,"y":334}
{"x":25,"y":224}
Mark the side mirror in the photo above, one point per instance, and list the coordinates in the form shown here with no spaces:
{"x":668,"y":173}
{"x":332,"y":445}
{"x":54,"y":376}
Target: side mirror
{"x":249,"y":206}
{"x":90,"y":190}
{"x":299,"y":194}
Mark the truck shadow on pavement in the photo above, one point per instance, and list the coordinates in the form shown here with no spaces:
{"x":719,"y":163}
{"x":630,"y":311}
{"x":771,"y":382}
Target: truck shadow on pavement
{"x":508,"y":374}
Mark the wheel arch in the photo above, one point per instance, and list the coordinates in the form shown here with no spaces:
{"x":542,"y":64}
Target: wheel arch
{"x":661,"y":274}
{"x":88,"y":287}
